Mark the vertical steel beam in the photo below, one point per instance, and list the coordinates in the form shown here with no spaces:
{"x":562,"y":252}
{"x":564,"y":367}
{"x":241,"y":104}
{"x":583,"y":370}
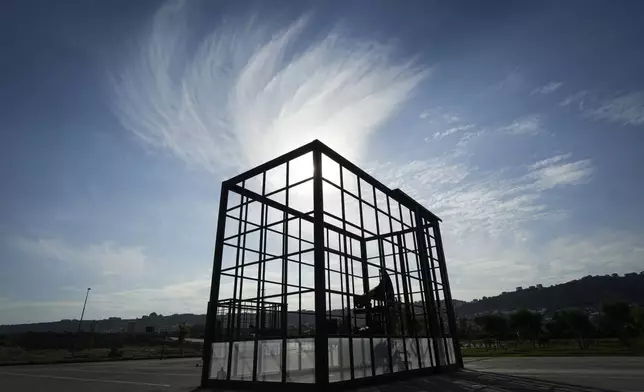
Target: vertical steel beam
{"x":451,"y":316}
{"x":214,"y":287}
{"x":368,"y":319}
{"x":439,"y":307}
{"x":321,"y":338}
{"x":261,"y":271}
{"x":426,"y":277}
{"x":284,"y":314}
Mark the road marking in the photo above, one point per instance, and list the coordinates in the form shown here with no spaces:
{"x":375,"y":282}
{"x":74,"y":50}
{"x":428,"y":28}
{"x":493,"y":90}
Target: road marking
{"x":84,"y":379}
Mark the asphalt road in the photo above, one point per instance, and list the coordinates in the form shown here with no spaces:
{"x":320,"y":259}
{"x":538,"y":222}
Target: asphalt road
{"x":624,"y":374}
{"x":123,"y":376}
{"x":182,"y":375}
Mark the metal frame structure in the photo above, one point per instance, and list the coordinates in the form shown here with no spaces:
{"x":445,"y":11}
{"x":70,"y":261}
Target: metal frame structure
{"x":311,"y":230}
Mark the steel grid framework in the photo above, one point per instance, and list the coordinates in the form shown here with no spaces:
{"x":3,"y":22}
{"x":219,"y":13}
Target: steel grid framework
{"x":300,"y":242}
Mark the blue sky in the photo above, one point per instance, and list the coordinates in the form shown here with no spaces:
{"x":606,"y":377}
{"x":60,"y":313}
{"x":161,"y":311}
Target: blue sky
{"x":520,"y":124}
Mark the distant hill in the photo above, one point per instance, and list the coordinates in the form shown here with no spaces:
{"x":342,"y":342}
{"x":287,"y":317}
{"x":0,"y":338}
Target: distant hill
{"x":587,"y":292}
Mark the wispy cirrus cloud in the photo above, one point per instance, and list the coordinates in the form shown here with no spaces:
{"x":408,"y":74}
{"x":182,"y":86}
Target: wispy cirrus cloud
{"x":512,"y":82}
{"x":554,"y":171}
{"x":489,"y":201}
{"x":440,"y":115}
{"x":577,"y":99}
{"x":253,"y":90}
{"x":547,"y":88}
{"x":490,"y":219}
{"x":526,"y":125}
{"x":449,"y":131}
{"x":625,"y":109}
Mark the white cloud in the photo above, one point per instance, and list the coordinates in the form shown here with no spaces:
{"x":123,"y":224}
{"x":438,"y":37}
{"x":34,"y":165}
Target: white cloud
{"x":473,"y":200}
{"x":22,"y":311}
{"x":106,"y":258}
{"x":620,"y":108}
{"x":440,"y":115}
{"x":513,"y":82}
{"x":626,"y":109}
{"x":527,"y":125}
{"x":547,"y":88}
{"x":577,"y":98}
{"x":252,"y":92}
{"x":553,"y":172}
{"x":481,"y":265}
{"x":449,"y":131}
{"x":181,"y":296}
{"x":492,"y":218}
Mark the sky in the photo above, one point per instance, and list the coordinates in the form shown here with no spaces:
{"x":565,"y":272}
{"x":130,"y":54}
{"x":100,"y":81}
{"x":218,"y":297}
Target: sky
{"x":520,"y":124}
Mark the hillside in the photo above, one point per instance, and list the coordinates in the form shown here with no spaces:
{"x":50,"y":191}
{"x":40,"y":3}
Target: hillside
{"x":587,"y":292}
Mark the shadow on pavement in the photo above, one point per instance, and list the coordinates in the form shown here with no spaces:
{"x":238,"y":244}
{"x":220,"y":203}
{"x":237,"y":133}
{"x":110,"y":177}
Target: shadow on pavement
{"x":471,"y":380}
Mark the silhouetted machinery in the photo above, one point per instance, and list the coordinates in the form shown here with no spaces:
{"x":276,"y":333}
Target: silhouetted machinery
{"x":383,"y":292}
{"x":387,"y":314}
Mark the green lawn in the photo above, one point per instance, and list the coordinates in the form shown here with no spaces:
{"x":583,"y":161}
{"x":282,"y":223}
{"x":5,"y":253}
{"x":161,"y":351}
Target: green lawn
{"x":600,"y":347}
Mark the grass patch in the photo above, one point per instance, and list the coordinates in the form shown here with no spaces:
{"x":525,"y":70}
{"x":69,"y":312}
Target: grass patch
{"x":567,"y":348}
{"x":19,"y":356}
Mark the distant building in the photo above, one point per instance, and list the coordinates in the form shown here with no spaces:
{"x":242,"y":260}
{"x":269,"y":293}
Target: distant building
{"x":519,"y":288}
{"x":131,"y":327}
{"x":539,"y":286}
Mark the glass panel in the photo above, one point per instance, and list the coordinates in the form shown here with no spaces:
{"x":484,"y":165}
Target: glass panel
{"x":219,"y":360}
{"x":398,"y":355}
{"x":339,"y":359}
{"x":450,"y":351}
{"x":425,"y":352}
{"x":361,"y":358}
{"x":381,"y":355}
{"x":300,"y":360}
{"x":242,"y":361}
{"x":412,"y":353}
{"x":442,"y":355}
{"x":269,"y":360}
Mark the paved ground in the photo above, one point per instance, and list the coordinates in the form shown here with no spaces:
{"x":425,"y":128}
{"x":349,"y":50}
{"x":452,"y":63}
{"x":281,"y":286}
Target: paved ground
{"x":123,"y":376}
{"x":615,"y":373}
{"x":492,"y":374}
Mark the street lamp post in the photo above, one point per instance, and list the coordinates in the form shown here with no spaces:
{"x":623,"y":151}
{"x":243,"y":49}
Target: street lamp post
{"x":80,"y":322}
{"x":83,"y":312}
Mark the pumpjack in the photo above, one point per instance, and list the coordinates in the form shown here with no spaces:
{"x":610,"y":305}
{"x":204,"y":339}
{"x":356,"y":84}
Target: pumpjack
{"x":387,"y":312}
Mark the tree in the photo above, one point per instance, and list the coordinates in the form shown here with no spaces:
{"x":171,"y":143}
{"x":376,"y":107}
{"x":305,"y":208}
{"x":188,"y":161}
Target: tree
{"x":198,"y":330}
{"x":637,"y":316}
{"x":576,"y":323}
{"x":526,"y":324}
{"x":464,"y":329}
{"x":184,"y":332}
{"x":494,"y":325}
{"x":617,"y":320}
{"x":615,"y":317}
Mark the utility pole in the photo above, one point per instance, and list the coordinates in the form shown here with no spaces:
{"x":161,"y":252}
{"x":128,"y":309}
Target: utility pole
{"x":80,"y":322}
